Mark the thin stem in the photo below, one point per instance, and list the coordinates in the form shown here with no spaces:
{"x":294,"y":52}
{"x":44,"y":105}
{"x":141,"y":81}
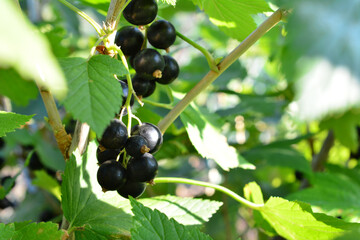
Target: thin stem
{"x":156,"y":104}
{"x":97,"y":27}
{"x":62,"y":138}
{"x":203,"y":50}
{"x":210,"y":185}
{"x":115,"y":8}
{"x":223,"y":65}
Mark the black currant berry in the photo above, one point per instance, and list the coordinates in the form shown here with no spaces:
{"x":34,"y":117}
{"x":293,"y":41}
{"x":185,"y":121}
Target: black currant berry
{"x":125,"y":90}
{"x":35,"y":162}
{"x":151,"y":89}
{"x":170,"y":72}
{"x":115,"y":135}
{"x":161,"y":34}
{"x":141,"y":12}
{"x":142,"y":169}
{"x":148,"y":61}
{"x":2,"y":143}
{"x":2,"y":162}
{"x":5,"y":203}
{"x":151,"y":133}
{"x":111,"y":175}
{"x":136,"y":146}
{"x":129,"y":39}
{"x":140,"y":84}
{"x":133,"y":189}
{"x":106,"y":154}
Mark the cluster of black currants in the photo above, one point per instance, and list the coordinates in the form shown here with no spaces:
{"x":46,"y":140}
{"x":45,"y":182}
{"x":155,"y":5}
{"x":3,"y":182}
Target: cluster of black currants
{"x":126,"y":162}
{"x":149,"y":64}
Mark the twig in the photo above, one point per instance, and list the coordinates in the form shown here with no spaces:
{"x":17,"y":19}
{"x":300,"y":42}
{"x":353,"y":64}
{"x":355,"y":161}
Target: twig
{"x":62,"y":138}
{"x":320,"y":159}
{"x":223,"y":65}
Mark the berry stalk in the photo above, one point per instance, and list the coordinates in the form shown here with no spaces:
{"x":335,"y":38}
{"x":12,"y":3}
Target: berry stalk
{"x":211,"y":76}
{"x":210,"y":185}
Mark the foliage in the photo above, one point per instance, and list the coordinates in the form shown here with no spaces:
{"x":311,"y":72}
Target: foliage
{"x":288,"y":104}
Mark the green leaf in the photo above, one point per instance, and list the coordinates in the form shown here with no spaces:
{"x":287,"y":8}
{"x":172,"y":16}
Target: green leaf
{"x":16,"y":88}
{"x":187,"y":211}
{"x":98,"y":215}
{"x":46,"y":182}
{"x":252,"y":192}
{"x":333,"y":193}
{"x":276,"y":156}
{"x":355,"y":234}
{"x":11,"y":121}
{"x":152,"y":224}
{"x":295,"y":220}
{"x":7,"y":231}
{"x":328,"y":80}
{"x":94,"y":94}
{"x":344,"y":127}
{"x":32,"y":60}
{"x":33,"y":231}
{"x":170,"y":2}
{"x":233,"y":17}
{"x":203,"y":129}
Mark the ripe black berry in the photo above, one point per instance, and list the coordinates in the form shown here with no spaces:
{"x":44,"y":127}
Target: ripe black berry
{"x":129,"y":39}
{"x":2,"y":162}
{"x":140,"y":84}
{"x":35,"y":162}
{"x":142,"y":169}
{"x":170,"y":72}
{"x":134,"y":189}
{"x":151,"y":89}
{"x":111,"y":175}
{"x":136,"y":146}
{"x":2,"y":143}
{"x":141,"y":12}
{"x":5,"y":203}
{"x":148,"y":61}
{"x":106,"y":154}
{"x":161,"y":34}
{"x":115,"y":135}
{"x":151,"y":133}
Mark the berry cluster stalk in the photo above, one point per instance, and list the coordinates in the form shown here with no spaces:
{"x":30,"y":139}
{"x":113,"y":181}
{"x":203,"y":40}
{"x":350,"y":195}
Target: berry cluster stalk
{"x":210,"y":185}
{"x":211,"y":76}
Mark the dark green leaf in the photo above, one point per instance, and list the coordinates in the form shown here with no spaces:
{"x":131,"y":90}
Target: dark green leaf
{"x":284,"y":157}
{"x":294,"y":220}
{"x":16,"y":88}
{"x":233,"y":17}
{"x":11,"y":121}
{"x":98,"y":215}
{"x":94,"y":94}
{"x":187,"y":211}
{"x":333,"y":193}
{"x":46,"y":182}
{"x":33,"y":231}
{"x":204,"y":130}
{"x":32,"y":60}
{"x":152,"y":224}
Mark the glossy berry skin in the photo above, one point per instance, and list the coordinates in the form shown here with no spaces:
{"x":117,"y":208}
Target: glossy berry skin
{"x":114,"y":136}
{"x":142,"y":169}
{"x":140,"y":84}
{"x":111,"y":175}
{"x":148,"y":61}
{"x":151,"y":133}
{"x":151,"y":89}
{"x":170,"y":72}
{"x":129,"y":39}
{"x":136,"y":146}
{"x":2,"y":143}
{"x":133,"y":189}
{"x":141,"y":12}
{"x":107,"y":154}
{"x":161,"y":34}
